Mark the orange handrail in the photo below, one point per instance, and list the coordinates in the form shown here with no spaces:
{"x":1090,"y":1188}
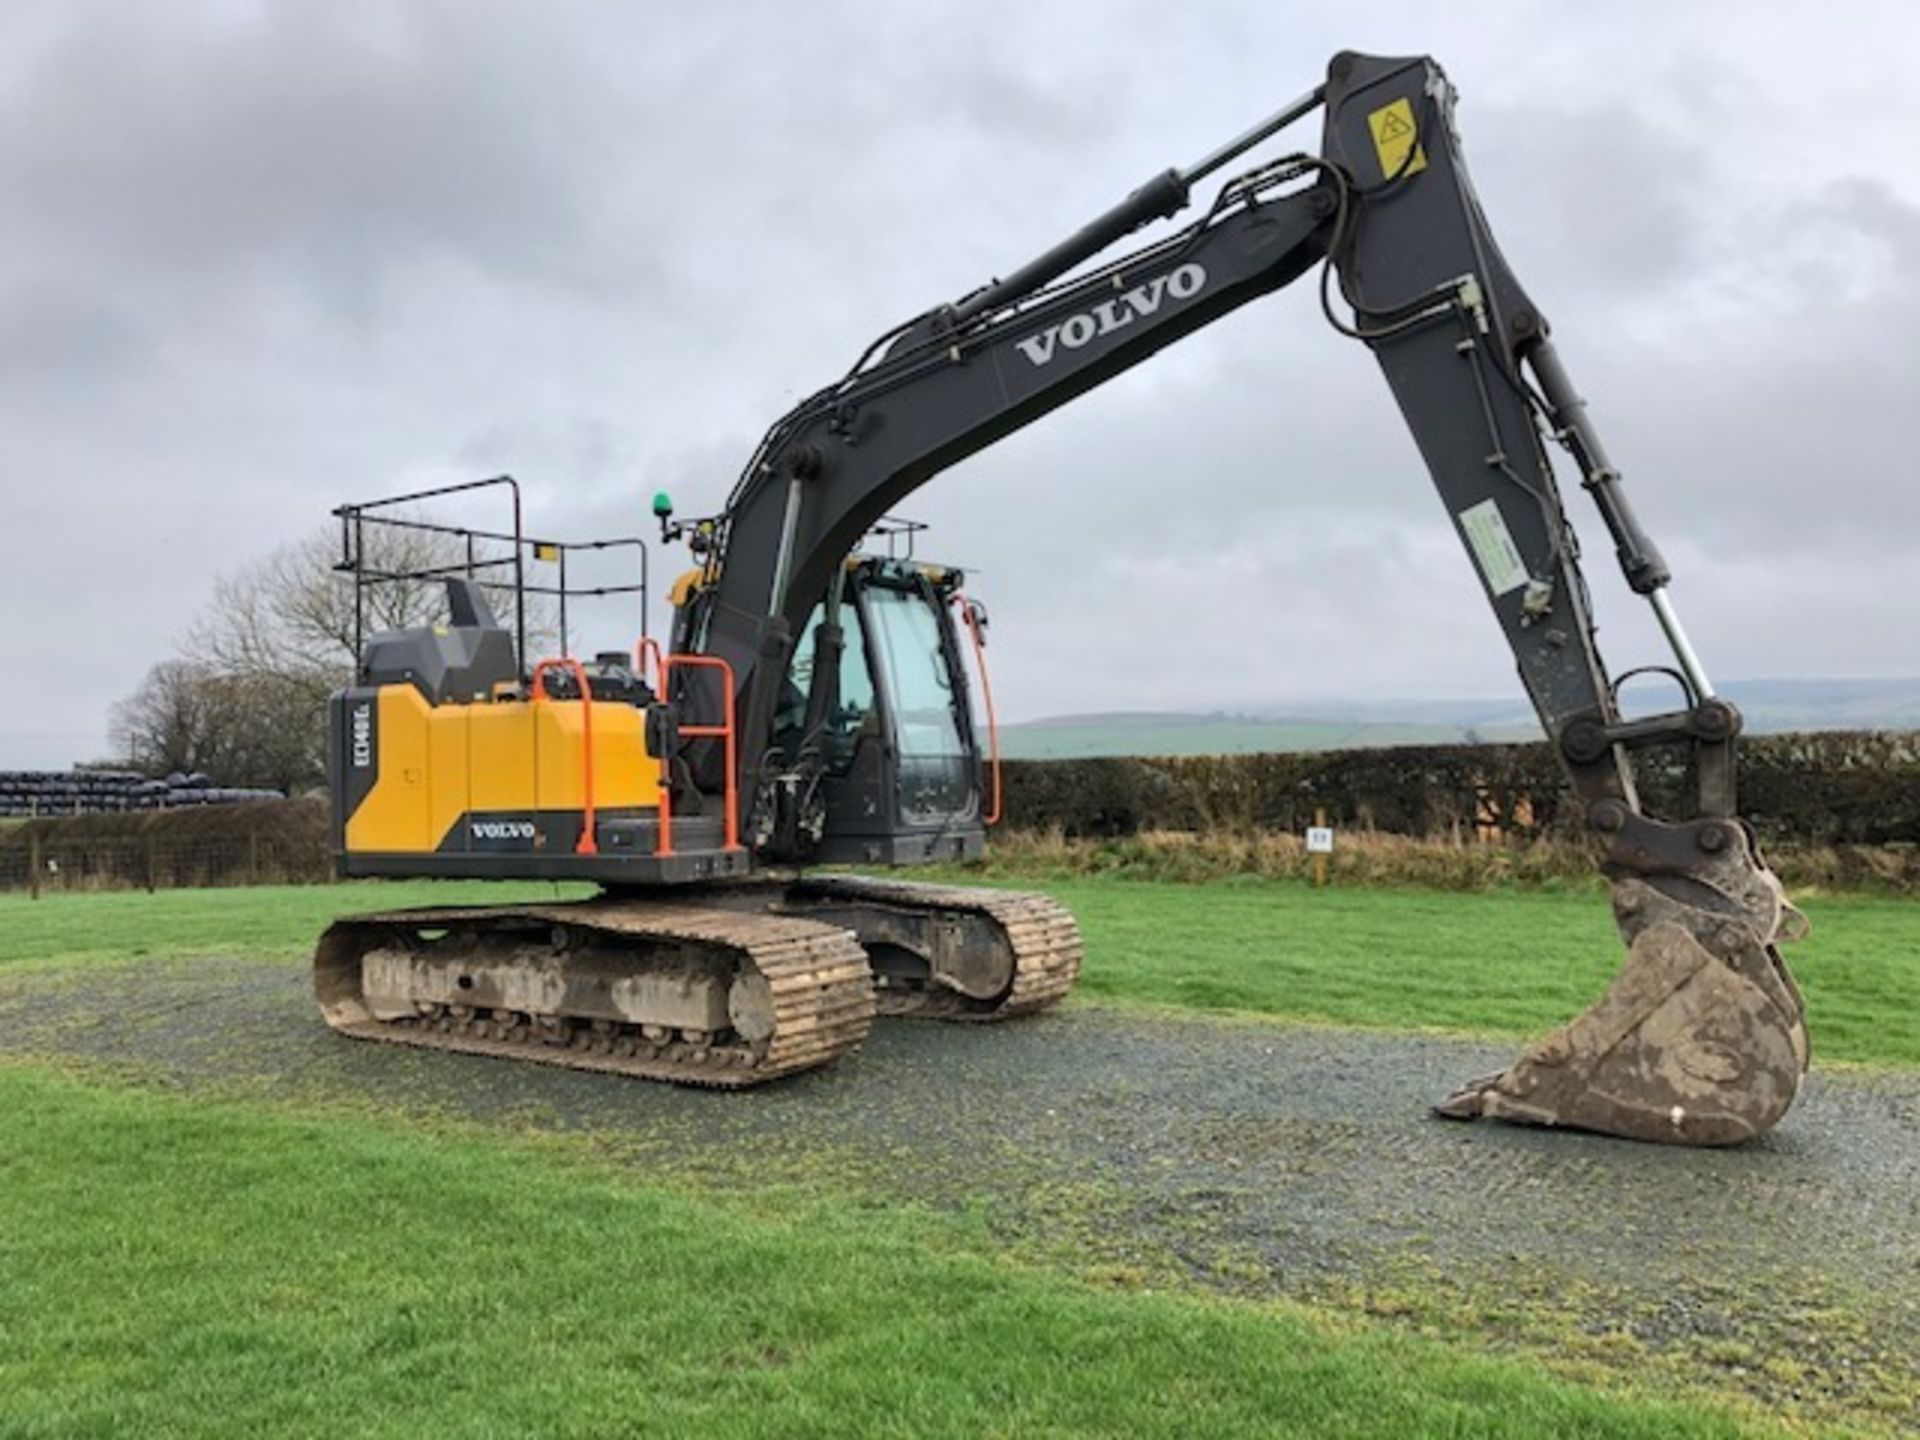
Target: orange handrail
{"x":986,"y":694}
{"x":664,"y":665}
{"x":649,"y":646}
{"x":587,"y":845}
{"x":724,"y":730}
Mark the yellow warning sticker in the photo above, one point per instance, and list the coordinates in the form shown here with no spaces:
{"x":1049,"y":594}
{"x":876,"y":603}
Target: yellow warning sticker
{"x":1395,"y":137}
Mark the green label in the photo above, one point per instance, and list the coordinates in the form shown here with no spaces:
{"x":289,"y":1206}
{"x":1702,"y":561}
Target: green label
{"x":1492,"y":545}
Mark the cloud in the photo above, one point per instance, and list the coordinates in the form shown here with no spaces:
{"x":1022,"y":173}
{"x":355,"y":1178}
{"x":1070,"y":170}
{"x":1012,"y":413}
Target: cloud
{"x":262,"y":258}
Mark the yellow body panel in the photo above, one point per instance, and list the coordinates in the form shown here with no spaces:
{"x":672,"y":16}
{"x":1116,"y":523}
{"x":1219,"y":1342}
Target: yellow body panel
{"x":395,"y":815}
{"x":623,"y":773}
{"x":686,"y":585}
{"x":500,"y":751}
{"x":449,"y":772}
{"x":436,"y":764}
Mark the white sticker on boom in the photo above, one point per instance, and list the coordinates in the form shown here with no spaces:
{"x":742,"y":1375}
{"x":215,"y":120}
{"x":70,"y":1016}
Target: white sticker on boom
{"x":1493,"y":547}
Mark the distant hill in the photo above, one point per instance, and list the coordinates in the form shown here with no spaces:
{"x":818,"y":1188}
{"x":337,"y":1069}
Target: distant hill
{"x":1769,"y":706}
{"x":1073,"y":737}
{"x":1828,"y":704}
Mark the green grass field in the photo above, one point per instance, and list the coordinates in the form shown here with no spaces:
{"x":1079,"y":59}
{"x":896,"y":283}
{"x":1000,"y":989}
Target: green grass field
{"x":171,"y":1265}
{"x":169,"y":1268}
{"x":1506,"y":962}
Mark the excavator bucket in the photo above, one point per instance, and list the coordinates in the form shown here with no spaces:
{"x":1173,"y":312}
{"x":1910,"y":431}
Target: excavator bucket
{"x":1694,"y":1043}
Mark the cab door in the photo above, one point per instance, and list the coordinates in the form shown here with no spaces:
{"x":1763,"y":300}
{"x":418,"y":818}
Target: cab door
{"x":900,"y":768}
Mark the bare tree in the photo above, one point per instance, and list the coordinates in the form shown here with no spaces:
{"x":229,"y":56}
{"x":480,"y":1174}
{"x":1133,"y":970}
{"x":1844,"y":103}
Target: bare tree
{"x":262,"y":730}
{"x":162,"y":725}
{"x":292,"y":611}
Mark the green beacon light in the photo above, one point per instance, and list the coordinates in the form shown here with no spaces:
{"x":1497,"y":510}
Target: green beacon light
{"x":663,"y":504}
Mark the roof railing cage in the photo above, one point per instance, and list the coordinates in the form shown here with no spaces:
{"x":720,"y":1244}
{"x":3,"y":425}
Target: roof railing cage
{"x":898,"y":533}
{"x":358,"y":521}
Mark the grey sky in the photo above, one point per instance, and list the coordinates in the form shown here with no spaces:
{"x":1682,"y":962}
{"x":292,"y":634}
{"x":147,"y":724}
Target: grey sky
{"x":261,"y":258}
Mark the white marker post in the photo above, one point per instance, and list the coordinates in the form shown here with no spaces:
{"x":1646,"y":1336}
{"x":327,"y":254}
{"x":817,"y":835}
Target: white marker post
{"x":1319,"y":845}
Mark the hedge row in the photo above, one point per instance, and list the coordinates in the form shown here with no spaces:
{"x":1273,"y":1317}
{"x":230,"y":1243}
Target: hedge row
{"x":1822,"y":795}
{"x":1852,"y":788}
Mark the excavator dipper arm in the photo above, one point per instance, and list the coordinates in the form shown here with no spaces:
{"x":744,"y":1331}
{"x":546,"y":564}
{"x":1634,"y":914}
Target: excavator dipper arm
{"x":1700,"y":1040}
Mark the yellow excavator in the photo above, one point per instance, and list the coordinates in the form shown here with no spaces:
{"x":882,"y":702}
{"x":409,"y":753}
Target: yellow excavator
{"x":812,"y":707}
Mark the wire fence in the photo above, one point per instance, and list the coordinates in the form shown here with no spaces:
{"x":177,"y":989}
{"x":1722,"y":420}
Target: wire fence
{"x":277,"y":843}
{"x":40,"y":866}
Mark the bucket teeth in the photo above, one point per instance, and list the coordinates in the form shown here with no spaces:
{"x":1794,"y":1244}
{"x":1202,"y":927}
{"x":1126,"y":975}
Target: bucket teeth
{"x":1687,"y":1047}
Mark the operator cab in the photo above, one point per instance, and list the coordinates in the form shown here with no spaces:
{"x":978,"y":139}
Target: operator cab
{"x":892,"y":732}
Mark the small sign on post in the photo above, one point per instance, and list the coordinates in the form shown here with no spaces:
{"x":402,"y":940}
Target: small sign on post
{"x":1319,"y":845}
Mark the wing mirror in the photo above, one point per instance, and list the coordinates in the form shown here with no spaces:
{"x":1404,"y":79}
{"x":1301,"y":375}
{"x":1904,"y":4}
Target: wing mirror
{"x":977,"y":619}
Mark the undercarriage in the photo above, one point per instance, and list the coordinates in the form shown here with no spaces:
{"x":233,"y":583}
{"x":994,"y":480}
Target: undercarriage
{"x":733,"y":987}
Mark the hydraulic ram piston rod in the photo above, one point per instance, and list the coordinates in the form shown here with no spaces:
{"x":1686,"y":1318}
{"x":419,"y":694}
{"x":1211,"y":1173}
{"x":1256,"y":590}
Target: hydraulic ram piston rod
{"x":1164,"y":195}
{"x":1267,"y":128}
{"x":1683,"y":650}
{"x":1641,"y":563}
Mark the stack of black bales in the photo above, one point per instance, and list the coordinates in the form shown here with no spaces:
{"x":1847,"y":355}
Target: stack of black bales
{"x":112,"y":792}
